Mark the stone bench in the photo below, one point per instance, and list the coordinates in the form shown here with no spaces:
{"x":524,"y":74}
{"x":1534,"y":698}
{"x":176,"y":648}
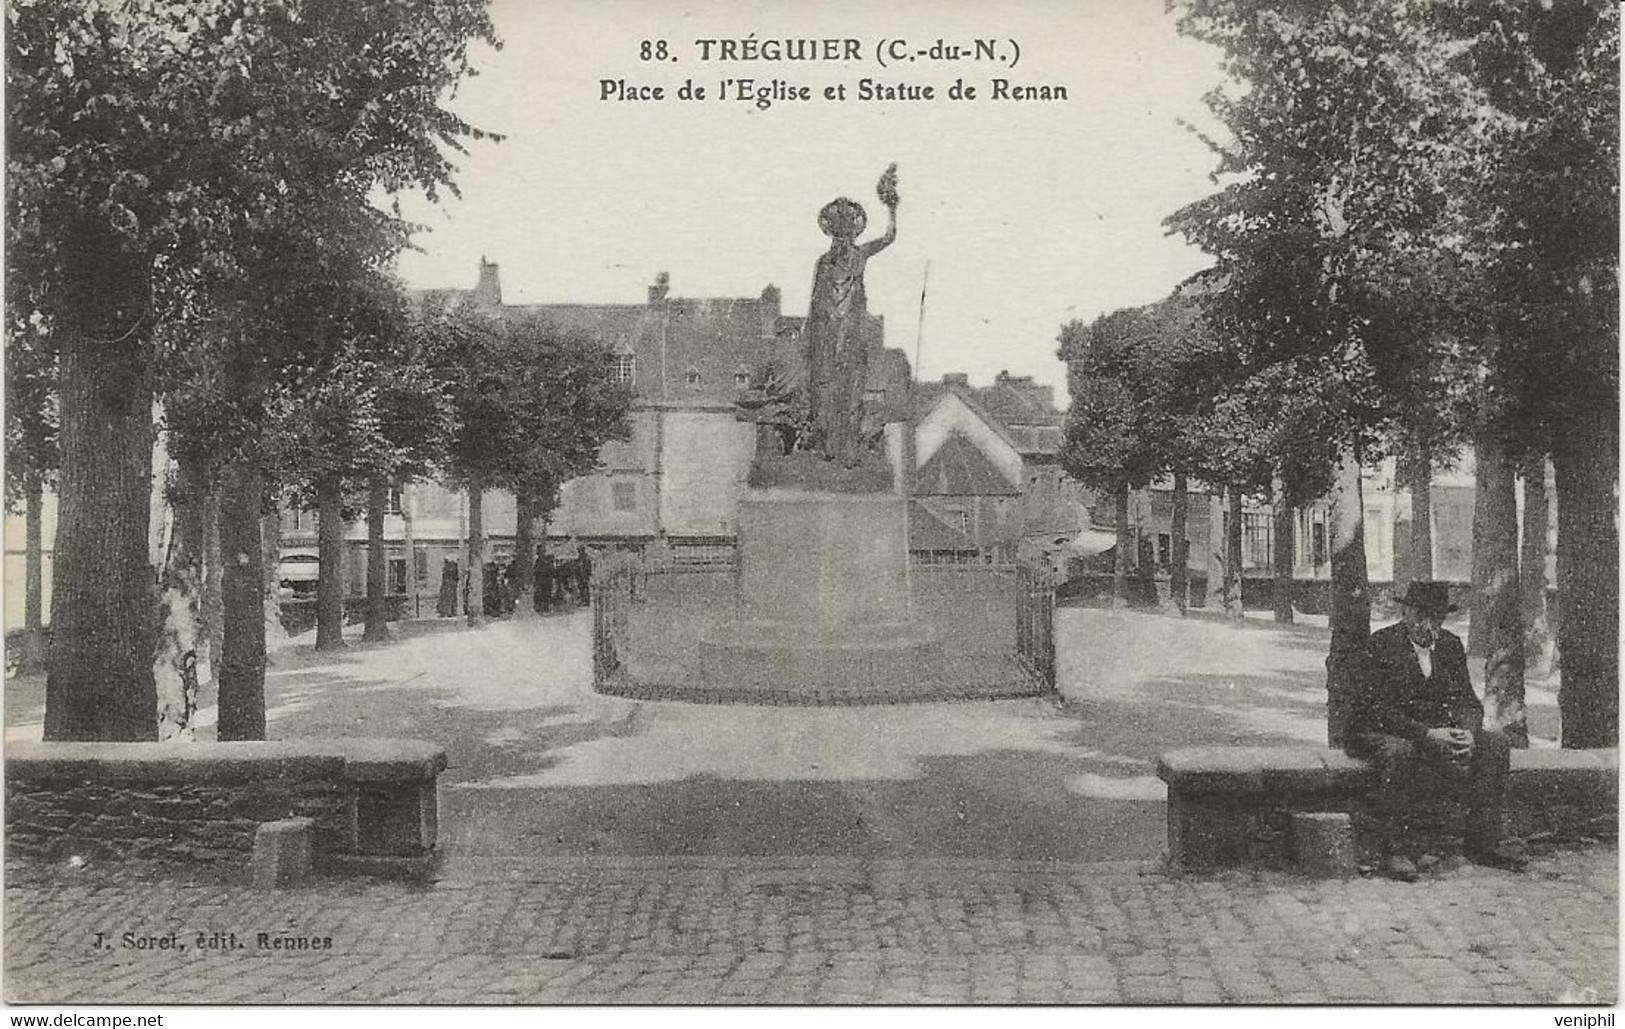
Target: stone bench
{"x":1232,"y":806}
{"x":374,"y":803}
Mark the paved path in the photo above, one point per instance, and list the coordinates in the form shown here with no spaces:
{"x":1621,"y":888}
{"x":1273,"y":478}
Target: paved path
{"x":600,"y":849}
{"x":836,"y":930}
{"x":542,"y":765}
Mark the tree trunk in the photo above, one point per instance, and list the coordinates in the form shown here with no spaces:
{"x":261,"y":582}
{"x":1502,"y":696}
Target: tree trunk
{"x":182,"y":639}
{"x":32,"y":658}
{"x":330,"y":567}
{"x":476,"y":551}
{"x":1125,"y":541}
{"x":407,"y":532}
{"x":524,"y":557}
{"x":1281,"y":556}
{"x":276,"y":633}
{"x":99,"y":683}
{"x":1497,"y":617}
{"x":1587,"y":584}
{"x":1480,"y":587}
{"x":1234,"y":608}
{"x":376,"y":629}
{"x":1179,"y":573}
{"x":1350,"y":617}
{"x":1537,"y":524}
{"x":242,"y":665}
{"x":211,"y":612}
{"x":1421,"y":556}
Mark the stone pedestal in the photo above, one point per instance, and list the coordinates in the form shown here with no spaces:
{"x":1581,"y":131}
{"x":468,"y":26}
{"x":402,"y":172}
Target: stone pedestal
{"x":823,"y":596}
{"x":282,"y":851}
{"x":1323,"y":844}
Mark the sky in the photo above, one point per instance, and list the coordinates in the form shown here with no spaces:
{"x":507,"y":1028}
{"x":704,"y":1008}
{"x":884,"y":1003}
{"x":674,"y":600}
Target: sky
{"x":1029,"y":214}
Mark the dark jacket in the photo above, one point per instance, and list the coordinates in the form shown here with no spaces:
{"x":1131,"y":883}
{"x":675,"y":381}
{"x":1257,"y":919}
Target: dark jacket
{"x":1391,"y":696}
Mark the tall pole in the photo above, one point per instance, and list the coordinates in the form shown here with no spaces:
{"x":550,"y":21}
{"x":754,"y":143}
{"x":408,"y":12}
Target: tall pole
{"x":919,"y":335}
{"x":906,"y":444}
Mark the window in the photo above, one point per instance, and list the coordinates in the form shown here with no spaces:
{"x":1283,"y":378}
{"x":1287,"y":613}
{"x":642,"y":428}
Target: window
{"x":964,"y":520}
{"x":420,"y":566}
{"x":1257,"y":534}
{"x":692,"y":378}
{"x":1165,"y":550}
{"x":623,"y":496}
{"x":1317,"y":545}
{"x":626,"y":367}
{"x":741,"y":378}
{"x":392,"y":504}
{"x":397,"y":575}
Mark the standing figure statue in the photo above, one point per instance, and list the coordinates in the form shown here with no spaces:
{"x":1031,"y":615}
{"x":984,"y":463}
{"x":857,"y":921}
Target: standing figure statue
{"x":838,"y":331}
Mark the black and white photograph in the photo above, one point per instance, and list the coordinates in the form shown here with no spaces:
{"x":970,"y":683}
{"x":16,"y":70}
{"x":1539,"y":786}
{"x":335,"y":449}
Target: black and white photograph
{"x":551,"y":503}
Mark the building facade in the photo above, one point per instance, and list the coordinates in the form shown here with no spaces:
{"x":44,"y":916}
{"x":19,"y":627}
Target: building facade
{"x":673,"y":484}
{"x":981,"y":465}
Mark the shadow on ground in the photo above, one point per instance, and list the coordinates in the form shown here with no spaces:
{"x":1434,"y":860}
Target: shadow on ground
{"x":541,"y":765}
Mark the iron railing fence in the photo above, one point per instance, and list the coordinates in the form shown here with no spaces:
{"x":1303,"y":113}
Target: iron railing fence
{"x":996,"y":624}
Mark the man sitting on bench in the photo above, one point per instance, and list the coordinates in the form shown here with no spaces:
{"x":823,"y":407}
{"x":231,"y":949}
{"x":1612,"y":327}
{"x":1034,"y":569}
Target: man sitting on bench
{"x":1415,"y":716}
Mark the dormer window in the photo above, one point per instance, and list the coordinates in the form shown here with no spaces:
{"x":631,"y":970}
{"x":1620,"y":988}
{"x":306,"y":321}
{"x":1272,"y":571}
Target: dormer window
{"x":692,"y":378}
{"x":742,"y":378}
{"x":626,"y":368}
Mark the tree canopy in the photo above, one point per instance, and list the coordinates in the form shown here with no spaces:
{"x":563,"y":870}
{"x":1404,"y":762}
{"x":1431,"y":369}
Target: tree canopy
{"x":173,"y":169}
{"x":1416,"y":226}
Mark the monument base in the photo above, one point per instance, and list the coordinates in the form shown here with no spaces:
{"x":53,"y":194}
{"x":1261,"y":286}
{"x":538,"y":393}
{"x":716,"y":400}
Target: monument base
{"x":823,"y":599}
{"x":780,"y":655}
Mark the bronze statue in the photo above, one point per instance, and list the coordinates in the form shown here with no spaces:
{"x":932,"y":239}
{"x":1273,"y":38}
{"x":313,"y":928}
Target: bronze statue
{"x":838,"y":332}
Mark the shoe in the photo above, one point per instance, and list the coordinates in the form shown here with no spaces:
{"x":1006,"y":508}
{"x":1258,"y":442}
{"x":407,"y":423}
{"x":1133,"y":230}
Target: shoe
{"x":1497,"y":857}
{"x":1402,"y":869}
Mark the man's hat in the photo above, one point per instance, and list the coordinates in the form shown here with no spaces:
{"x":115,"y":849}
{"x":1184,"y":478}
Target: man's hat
{"x":1428,"y":596}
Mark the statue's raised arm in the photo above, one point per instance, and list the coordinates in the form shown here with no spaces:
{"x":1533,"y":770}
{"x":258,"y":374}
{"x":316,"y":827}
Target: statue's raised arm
{"x":887,"y":190}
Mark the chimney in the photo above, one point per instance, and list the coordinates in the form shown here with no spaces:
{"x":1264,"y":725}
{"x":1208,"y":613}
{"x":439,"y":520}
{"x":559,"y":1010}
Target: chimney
{"x":956,"y":379}
{"x":489,"y":291}
{"x":662,"y":286}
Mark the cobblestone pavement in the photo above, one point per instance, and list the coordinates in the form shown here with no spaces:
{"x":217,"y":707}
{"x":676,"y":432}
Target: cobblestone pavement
{"x":779,"y":930}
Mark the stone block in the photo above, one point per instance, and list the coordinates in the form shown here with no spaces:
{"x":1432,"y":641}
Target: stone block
{"x":389,"y":760}
{"x":399,"y":821}
{"x":823,"y":600}
{"x":1323,"y":844}
{"x":282,"y":852}
{"x":823,"y":558}
{"x":1581,"y":778}
{"x":791,"y":656}
{"x":1236,"y":805}
{"x":1221,"y":770}
{"x":1208,"y":831}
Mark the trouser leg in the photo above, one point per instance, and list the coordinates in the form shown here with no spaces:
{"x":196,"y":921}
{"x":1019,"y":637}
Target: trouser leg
{"x":1400,"y":769}
{"x":1485,"y":789}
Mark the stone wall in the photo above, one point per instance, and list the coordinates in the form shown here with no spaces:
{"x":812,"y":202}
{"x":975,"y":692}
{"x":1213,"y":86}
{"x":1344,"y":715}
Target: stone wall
{"x":374,"y":802}
{"x":1233,"y":806}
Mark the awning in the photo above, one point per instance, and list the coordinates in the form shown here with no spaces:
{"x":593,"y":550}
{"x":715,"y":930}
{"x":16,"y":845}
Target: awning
{"x":1089,"y":542}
